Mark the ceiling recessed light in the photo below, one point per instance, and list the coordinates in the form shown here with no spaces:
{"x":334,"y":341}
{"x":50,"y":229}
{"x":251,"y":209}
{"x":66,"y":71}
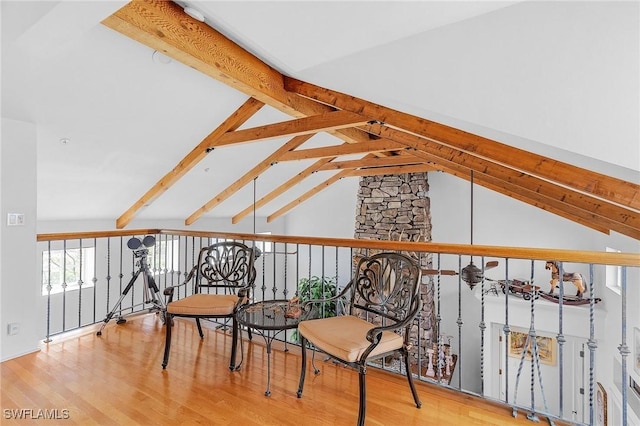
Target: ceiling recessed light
{"x":194,"y":13}
{"x":160,"y":58}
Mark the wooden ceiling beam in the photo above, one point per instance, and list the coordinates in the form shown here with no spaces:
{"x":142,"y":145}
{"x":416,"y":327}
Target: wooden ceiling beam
{"x":235,"y":120}
{"x":302,"y":126}
{"x":377,"y":171}
{"x":395,"y":170}
{"x":602,"y":186}
{"x":293,"y":204}
{"x":281,"y":189}
{"x":344,"y":149}
{"x":163,"y":26}
{"x":548,"y":204}
{"x":248,"y":177}
{"x":539,"y":199}
{"x":395,"y":160}
{"x":453,"y":158}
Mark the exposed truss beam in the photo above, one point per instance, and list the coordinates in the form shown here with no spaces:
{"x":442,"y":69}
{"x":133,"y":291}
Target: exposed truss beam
{"x":302,"y":126}
{"x":344,"y":149}
{"x":395,"y":170}
{"x":376,"y":171}
{"x":602,"y":186}
{"x":516,"y":181}
{"x":395,"y":160}
{"x":235,"y":120}
{"x":164,"y":26}
{"x":333,"y":179}
{"x":247,"y":177}
{"x":281,"y":189}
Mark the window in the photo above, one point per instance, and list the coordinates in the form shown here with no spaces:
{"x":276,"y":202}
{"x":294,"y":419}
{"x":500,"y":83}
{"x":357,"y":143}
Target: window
{"x":66,"y":270}
{"x":164,"y":256}
{"x":614,"y":274}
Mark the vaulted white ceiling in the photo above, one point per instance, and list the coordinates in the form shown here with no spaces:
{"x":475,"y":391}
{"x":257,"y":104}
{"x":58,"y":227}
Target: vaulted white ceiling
{"x":129,"y":117}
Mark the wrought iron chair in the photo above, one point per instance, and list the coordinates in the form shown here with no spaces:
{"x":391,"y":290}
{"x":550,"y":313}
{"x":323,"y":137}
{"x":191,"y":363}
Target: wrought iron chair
{"x":381,"y":302}
{"x":222,"y":281}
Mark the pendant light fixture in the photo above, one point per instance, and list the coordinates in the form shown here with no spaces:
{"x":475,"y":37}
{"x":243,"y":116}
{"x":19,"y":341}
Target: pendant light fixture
{"x":471,"y":274}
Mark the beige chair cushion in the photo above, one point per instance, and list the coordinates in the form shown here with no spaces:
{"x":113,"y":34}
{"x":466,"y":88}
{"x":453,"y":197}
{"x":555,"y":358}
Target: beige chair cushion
{"x":345,"y":337}
{"x":204,"y":304}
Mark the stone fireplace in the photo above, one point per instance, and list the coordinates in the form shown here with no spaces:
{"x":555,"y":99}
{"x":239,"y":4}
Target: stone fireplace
{"x":396,"y":208}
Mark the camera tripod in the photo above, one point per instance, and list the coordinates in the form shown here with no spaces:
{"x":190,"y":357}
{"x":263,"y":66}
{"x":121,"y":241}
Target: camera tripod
{"x":151,"y":295}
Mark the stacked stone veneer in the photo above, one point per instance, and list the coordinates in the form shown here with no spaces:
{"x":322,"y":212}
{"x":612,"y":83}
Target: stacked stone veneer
{"x":396,"y":207}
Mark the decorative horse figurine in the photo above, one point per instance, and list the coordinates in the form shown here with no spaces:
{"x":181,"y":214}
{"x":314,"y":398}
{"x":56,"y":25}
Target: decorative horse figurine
{"x":576,"y":278}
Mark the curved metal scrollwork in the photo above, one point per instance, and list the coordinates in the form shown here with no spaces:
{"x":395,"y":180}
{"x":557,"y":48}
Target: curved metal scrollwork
{"x":225,"y":263}
{"x":384,"y":282}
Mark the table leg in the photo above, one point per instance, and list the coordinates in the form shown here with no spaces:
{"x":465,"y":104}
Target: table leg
{"x":268,"y":391}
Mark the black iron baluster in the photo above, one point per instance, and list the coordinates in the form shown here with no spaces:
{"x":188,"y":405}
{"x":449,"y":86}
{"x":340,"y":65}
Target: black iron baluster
{"x":591,"y":344}
{"x":48,"y":335}
{"x":482,"y":327}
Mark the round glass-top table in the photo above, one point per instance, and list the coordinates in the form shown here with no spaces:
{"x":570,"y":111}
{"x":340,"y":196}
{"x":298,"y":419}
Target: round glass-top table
{"x":267,"y":318}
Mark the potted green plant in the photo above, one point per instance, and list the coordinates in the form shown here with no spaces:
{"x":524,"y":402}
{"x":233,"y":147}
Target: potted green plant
{"x":315,"y":288}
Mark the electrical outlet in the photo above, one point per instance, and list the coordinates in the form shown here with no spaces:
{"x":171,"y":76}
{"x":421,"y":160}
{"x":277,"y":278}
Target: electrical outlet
{"x":13,"y":328}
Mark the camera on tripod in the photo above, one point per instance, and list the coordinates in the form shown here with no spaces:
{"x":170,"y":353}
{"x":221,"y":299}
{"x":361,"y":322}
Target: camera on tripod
{"x":135,"y":243}
{"x":151,"y":291}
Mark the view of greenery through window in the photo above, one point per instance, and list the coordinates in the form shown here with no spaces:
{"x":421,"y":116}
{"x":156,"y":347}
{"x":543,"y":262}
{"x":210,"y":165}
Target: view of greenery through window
{"x":65,"y":270}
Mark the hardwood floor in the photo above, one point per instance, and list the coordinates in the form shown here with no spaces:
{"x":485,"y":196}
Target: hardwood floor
{"x":117,"y":379}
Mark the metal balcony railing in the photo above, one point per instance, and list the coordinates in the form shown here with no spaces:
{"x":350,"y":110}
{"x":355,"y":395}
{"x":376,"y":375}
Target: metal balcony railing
{"x":491,"y":332}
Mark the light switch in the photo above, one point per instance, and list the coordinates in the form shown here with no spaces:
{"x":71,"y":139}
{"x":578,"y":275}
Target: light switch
{"x":15,"y":219}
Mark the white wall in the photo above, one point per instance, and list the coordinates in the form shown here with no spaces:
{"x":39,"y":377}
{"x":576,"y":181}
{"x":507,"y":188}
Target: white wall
{"x":330,"y":213}
{"x":19,"y":275}
{"x":564,"y":74}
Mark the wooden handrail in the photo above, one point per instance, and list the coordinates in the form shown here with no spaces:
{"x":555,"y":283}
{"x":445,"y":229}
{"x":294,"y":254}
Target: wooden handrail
{"x":95,"y":234}
{"x":562,"y":255}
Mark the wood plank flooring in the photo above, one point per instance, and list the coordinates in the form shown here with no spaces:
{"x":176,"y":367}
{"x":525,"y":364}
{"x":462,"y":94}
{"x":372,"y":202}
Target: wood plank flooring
{"x":117,"y":379}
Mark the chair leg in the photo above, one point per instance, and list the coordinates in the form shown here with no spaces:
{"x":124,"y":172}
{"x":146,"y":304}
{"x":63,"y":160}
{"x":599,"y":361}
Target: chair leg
{"x":362,"y":407}
{"x":303,"y":370}
{"x":167,"y":342}
{"x":410,"y":379}
{"x":199,"y":328}
{"x":234,"y":344}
